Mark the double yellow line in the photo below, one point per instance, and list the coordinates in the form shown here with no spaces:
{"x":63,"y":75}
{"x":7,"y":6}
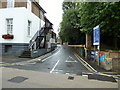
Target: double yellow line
{"x":91,"y":69}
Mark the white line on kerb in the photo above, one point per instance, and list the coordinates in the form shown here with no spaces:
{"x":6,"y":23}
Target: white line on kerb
{"x":50,"y":56}
{"x":54,"y":66}
{"x":85,"y":63}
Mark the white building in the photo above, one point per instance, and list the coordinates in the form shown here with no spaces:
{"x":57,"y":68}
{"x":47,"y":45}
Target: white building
{"x":22,"y":20}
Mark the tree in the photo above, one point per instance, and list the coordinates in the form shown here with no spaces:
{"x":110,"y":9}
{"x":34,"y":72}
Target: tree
{"x":106,"y":14}
{"x":70,"y":30}
{"x":85,"y":16}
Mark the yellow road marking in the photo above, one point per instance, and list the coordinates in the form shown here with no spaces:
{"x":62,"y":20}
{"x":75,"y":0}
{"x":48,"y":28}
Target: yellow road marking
{"x":99,"y":73}
{"x":84,"y":64}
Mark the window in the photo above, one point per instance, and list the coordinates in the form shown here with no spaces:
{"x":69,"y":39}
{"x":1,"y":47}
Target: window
{"x":29,"y":27}
{"x":9,"y":26}
{"x":10,"y":3}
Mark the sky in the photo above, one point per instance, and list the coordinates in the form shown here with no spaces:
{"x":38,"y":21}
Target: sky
{"x":54,"y":11}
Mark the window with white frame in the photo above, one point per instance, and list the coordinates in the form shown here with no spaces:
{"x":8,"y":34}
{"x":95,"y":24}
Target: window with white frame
{"x":9,"y":26}
{"x":10,"y":3}
{"x":29,"y":27}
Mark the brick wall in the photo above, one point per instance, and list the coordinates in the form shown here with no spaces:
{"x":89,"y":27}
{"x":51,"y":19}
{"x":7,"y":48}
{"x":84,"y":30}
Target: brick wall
{"x":0,"y":4}
{"x":17,"y":4}
{"x":35,"y":10}
{"x":3,"y":4}
{"x":21,"y":4}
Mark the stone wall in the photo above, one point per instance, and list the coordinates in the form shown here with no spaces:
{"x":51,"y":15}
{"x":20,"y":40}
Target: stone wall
{"x":116,"y":64}
{"x":15,"y":50}
{"x":35,"y":10}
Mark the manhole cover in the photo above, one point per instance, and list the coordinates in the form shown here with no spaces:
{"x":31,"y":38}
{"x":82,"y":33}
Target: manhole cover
{"x":101,"y":77}
{"x":18,"y":79}
{"x":70,"y":78}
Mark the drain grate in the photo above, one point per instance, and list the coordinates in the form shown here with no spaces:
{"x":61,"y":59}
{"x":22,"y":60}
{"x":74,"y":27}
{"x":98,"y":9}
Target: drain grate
{"x":101,"y":77}
{"x":70,"y":78}
{"x":18,"y":79}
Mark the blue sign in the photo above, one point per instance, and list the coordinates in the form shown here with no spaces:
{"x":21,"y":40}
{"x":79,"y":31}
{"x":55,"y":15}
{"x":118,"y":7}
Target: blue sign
{"x":96,"y":35}
{"x":92,"y":54}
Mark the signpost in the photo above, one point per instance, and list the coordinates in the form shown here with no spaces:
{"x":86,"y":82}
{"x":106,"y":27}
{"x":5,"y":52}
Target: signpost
{"x":96,"y":39}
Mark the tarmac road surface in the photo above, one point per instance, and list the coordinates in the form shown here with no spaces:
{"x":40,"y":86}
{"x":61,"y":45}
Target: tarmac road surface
{"x":63,"y":61}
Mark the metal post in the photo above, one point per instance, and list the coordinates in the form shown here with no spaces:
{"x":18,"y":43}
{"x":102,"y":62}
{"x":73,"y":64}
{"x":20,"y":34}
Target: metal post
{"x":99,"y":49}
{"x":98,"y":55}
{"x":94,"y":52}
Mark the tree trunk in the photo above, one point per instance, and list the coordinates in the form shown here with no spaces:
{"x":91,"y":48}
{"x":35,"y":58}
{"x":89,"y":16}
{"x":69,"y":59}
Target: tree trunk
{"x":115,"y":42}
{"x":88,"y":46}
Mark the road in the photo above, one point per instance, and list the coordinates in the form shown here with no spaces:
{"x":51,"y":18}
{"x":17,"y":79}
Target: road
{"x":62,"y":61}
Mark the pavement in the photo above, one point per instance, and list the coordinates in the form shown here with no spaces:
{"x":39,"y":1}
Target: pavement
{"x":12,"y":59}
{"x":35,"y":79}
{"x":9,"y":59}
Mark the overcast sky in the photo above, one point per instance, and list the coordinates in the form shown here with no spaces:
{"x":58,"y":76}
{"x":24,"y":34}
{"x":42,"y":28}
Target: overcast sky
{"x":54,"y":11}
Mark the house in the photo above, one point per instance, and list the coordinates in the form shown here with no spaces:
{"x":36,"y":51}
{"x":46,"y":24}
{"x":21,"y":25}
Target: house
{"x":22,"y":26}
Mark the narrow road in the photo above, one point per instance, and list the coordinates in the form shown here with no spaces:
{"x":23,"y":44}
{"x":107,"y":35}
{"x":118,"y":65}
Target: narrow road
{"x":63,"y":61}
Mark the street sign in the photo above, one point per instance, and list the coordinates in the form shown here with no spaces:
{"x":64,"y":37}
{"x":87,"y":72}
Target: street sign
{"x":93,"y":54}
{"x":96,"y":35}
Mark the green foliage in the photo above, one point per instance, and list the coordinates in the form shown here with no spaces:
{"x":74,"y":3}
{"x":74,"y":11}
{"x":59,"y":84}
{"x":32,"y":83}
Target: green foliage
{"x":70,"y":29}
{"x":84,"y":16}
{"x":106,"y":14}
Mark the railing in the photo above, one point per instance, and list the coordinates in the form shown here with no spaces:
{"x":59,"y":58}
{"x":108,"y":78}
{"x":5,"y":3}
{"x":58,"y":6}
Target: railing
{"x":38,"y":37}
{"x":37,"y":34}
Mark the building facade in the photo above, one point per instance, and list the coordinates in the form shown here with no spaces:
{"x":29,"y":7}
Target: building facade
{"x":19,"y":23}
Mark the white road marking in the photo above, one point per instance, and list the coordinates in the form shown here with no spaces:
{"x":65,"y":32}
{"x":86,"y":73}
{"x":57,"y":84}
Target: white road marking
{"x":47,"y":58}
{"x":54,"y":66}
{"x":51,"y":55}
{"x":85,"y":75}
{"x":70,"y":60}
{"x":67,"y":73}
{"x":39,"y":59}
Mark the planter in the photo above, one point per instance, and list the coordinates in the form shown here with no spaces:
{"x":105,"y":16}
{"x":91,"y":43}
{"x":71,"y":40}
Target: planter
{"x":7,"y":36}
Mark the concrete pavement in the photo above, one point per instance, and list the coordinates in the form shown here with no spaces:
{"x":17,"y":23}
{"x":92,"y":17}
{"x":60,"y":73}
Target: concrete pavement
{"x":8,"y":59}
{"x":46,"y":80}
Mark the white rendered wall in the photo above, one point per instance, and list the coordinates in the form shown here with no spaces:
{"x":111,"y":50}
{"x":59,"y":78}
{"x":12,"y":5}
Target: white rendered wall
{"x":20,"y":24}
